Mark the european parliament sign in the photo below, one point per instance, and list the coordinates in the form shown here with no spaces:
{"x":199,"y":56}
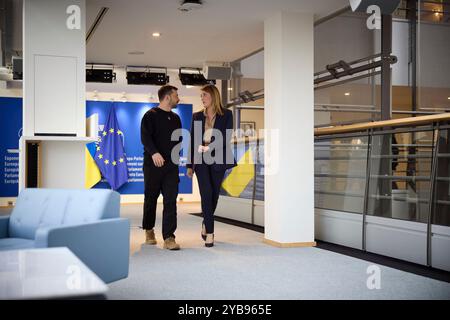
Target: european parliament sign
{"x":11,"y":126}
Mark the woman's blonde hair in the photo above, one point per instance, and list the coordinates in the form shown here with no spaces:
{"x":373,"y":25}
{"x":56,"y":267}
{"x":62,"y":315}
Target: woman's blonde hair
{"x":215,"y":97}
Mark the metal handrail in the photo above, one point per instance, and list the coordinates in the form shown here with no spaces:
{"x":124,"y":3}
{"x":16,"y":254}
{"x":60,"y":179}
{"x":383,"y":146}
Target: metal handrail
{"x":416,"y":121}
{"x":352,"y":62}
{"x":339,"y":158}
{"x":337,"y":175}
{"x":396,"y":198}
{"x":337,"y":193}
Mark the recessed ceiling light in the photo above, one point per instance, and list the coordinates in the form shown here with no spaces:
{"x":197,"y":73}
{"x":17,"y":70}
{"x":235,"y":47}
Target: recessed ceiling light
{"x":156,"y":34}
{"x":448,"y":98}
{"x":347,"y":93}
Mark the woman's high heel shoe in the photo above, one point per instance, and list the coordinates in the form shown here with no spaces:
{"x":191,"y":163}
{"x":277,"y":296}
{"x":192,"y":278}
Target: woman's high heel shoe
{"x":209,"y":242}
{"x":203,"y":232}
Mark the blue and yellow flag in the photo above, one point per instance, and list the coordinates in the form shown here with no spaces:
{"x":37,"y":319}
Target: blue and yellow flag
{"x":240,"y":176}
{"x":93,"y":175}
{"x":110,"y":154}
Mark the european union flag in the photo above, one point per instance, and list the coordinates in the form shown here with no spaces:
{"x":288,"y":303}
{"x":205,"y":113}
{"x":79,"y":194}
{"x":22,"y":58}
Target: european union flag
{"x":110,"y":155}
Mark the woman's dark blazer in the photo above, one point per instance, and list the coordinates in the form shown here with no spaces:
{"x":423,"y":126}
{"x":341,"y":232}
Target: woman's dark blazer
{"x":222,"y":123}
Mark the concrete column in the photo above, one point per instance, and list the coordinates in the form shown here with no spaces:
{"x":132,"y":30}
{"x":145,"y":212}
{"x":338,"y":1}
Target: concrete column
{"x":289,"y":108}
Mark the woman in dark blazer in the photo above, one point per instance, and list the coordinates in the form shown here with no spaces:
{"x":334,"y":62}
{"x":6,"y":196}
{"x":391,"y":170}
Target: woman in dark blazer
{"x":210,"y":154}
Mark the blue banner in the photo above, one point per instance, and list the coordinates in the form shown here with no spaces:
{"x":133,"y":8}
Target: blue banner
{"x":11,"y":126}
{"x":129,"y":116}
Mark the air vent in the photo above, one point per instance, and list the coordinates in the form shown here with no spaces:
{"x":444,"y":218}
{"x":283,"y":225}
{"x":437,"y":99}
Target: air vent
{"x":137,"y":53}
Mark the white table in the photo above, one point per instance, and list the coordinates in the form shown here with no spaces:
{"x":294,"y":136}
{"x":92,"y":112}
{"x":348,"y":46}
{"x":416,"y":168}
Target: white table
{"x":48,"y":273}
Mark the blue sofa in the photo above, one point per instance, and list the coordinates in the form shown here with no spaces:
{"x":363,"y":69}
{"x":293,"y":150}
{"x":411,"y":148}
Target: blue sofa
{"x":86,"y":221}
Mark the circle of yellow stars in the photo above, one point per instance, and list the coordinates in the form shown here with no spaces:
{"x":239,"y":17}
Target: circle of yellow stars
{"x":100,"y":156}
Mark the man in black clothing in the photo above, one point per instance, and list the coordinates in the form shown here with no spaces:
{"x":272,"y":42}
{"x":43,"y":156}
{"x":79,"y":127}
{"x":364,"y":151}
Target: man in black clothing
{"x":160,"y":170}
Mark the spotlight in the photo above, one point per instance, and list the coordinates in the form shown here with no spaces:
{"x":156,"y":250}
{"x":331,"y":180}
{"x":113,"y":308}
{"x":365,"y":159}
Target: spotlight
{"x":193,"y":77}
{"x":147,"y":75}
{"x":100,"y":73}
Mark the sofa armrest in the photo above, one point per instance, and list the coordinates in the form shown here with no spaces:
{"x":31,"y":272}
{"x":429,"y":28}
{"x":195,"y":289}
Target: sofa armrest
{"x":104,"y":246}
{"x":4,"y":226}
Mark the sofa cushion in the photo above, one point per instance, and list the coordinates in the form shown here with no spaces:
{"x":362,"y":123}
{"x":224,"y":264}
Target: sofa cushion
{"x":15,"y":243}
{"x":37,"y":208}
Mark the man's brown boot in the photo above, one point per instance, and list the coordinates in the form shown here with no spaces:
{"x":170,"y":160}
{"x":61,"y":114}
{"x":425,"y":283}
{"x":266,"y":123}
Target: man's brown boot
{"x":170,"y":244}
{"x":150,"y":237}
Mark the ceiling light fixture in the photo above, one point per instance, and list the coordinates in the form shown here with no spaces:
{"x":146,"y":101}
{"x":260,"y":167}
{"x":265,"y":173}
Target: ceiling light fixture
{"x":188,"y":5}
{"x":147,"y":75}
{"x":347,"y":93}
{"x":156,"y":34}
{"x":100,"y":73}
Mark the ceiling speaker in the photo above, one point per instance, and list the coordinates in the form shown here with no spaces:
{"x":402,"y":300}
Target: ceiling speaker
{"x":217,"y":72}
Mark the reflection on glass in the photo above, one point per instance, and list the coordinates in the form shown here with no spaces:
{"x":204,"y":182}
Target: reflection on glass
{"x":239,"y":182}
{"x":441,"y":214}
{"x":400,"y":176}
{"x":340,"y":174}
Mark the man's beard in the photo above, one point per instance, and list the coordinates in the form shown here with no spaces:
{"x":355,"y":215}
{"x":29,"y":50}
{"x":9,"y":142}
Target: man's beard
{"x":173,"y":106}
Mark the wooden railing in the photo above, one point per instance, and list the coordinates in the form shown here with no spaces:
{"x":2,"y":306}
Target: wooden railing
{"x":413,"y":121}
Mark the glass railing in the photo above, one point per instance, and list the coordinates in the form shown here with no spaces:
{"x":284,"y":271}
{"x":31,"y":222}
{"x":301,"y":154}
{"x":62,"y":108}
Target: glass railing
{"x":397,"y":169}
{"x":340,"y":173}
{"x":382,"y":187}
{"x":441,"y":194}
{"x":391,"y":169}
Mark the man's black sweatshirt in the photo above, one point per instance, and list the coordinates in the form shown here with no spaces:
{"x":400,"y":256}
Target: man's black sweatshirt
{"x":157,"y":127}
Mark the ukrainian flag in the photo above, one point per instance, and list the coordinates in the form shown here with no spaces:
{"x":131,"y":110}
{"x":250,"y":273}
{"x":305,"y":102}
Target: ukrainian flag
{"x":92,"y":176}
{"x":240,"y":176}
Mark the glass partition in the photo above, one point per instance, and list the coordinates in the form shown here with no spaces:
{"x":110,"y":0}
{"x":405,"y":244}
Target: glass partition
{"x":400,"y":175}
{"x":441,"y":214}
{"x":340,"y":173}
{"x":399,"y":164}
{"x":246,"y":180}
